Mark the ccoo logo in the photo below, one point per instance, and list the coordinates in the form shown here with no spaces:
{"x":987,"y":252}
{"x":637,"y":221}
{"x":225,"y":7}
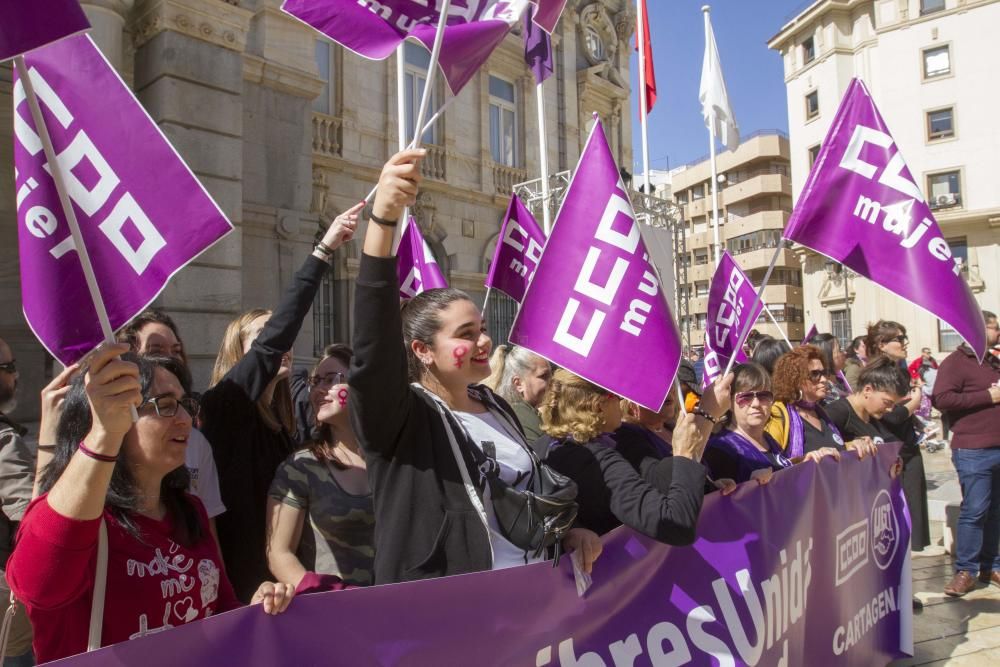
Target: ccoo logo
{"x":884,"y":530}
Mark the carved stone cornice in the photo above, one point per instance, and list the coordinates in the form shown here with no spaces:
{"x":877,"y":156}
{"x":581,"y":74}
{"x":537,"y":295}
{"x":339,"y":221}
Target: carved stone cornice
{"x":281,"y":77}
{"x":213,"y":21}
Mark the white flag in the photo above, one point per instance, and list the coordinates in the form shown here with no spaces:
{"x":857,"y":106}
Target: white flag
{"x":713,"y":96}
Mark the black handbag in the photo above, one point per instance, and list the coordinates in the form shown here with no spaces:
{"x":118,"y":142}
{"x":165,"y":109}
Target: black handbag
{"x":536,"y":518}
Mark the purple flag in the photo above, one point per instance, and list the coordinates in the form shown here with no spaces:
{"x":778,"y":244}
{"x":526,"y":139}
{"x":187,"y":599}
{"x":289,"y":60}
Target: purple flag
{"x":519,"y":247}
{"x":810,"y":569}
{"x":537,"y":49}
{"x":374,"y":28}
{"x":142,"y":213}
{"x":415,"y":264}
{"x":861,"y":207}
{"x":30,"y":24}
{"x":595,"y":305}
{"x":729,"y":300}
{"x":809,"y":334}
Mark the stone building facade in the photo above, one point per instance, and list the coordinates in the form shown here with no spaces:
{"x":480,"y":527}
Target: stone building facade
{"x":281,"y":126}
{"x":927,"y":64}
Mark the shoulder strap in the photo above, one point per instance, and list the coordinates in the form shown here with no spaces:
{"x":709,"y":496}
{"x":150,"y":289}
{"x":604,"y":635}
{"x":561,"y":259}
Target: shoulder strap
{"x":100,"y":588}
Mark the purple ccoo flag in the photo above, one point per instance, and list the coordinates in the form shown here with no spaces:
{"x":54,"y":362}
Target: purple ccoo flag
{"x":142,"y":213}
{"x":519,"y":247}
{"x":537,"y":49}
{"x":29,"y":24}
{"x":729,"y":300}
{"x":595,"y":305}
{"x":415,"y":264}
{"x":861,"y":207}
{"x":374,"y":28}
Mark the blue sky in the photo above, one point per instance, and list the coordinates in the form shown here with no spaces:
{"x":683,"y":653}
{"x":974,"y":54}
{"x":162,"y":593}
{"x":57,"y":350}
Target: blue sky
{"x":754,"y":75}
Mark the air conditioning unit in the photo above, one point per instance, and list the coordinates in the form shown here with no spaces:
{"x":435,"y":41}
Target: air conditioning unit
{"x":941,"y":201}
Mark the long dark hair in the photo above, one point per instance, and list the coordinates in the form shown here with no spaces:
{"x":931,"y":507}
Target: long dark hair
{"x":824,"y":342}
{"x":122,"y":498}
{"x":322,"y":436}
{"x":422,"y":319}
{"x":768,"y":351}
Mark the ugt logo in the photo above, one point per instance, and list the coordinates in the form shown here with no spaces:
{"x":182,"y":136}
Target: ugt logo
{"x":884,"y":530}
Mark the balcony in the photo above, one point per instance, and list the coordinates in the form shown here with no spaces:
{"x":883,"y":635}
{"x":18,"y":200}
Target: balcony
{"x":433,"y":165}
{"x":755,"y":222}
{"x":755,"y":186}
{"x":326,"y":135}
{"x":505,"y":177}
{"x":701,"y":272}
{"x":761,"y":257}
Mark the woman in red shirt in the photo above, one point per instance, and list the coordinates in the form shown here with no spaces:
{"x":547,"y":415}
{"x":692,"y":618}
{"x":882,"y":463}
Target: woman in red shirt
{"x":163,"y":566}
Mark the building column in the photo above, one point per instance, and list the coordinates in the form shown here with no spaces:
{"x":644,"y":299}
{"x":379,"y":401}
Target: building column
{"x":107,"y":22}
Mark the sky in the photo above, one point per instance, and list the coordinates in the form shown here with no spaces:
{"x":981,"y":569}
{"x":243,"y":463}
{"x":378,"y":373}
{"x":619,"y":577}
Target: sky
{"x":753,"y":73}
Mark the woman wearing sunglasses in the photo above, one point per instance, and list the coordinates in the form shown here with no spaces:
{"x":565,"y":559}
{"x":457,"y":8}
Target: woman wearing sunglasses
{"x":163,"y":568}
{"x":798,"y":422}
{"x":744,"y":450}
{"x":889,"y":339}
{"x":664,"y":501}
{"x":321,"y":524}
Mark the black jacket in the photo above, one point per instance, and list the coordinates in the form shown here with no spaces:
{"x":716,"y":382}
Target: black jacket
{"x":663,"y":503}
{"x":425,"y":522}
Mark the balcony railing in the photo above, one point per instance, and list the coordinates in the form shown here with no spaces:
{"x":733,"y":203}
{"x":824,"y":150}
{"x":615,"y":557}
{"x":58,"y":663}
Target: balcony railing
{"x":505,"y":177}
{"x":326,"y":135}
{"x":433,"y":165}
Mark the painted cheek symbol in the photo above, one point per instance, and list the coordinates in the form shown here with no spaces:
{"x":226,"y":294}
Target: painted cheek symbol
{"x":342,"y":396}
{"x":458,"y":353}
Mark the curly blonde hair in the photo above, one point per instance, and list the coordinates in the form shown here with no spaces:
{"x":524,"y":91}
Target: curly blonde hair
{"x":571,"y":408}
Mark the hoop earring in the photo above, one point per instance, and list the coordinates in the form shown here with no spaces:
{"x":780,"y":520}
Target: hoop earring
{"x":801,"y":395}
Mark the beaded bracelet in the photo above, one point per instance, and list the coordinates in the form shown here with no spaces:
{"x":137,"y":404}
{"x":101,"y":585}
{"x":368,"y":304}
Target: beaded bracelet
{"x":698,"y":412}
{"x":103,"y":458}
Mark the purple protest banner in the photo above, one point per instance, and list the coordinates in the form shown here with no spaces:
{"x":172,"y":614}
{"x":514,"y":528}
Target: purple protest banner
{"x":595,"y":304}
{"x":519,"y":247}
{"x":374,"y":29}
{"x":810,"y":569}
{"x":729,"y":300}
{"x":143,"y":215}
{"x":861,"y":207}
{"x":30,"y":24}
{"x":415,"y":264}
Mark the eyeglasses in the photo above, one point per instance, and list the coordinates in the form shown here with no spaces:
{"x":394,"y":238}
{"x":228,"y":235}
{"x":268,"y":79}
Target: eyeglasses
{"x":745,"y":398}
{"x":902,"y":340}
{"x":166,"y":405}
{"x":816,"y":375}
{"x":327,"y":380}
{"x":9,"y":366}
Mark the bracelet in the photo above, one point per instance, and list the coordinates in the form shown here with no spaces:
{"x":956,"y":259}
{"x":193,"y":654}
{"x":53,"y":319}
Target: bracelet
{"x":699,"y":412}
{"x":382,"y":221}
{"x":46,"y":448}
{"x":103,"y":458}
{"x":324,"y":249}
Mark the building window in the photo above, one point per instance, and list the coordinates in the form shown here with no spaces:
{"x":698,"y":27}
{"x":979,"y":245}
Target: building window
{"x":501,"y":317}
{"x":931,"y":6}
{"x":808,"y":51}
{"x":417,"y":61}
{"x":701,"y":289}
{"x":701,"y":256}
{"x":812,"y":105}
{"x":948,"y":338}
{"x":767,"y":238}
{"x":702,"y":319}
{"x":840,"y":327}
{"x":698,"y":192}
{"x":503,"y":122}
{"x":326,"y":102}
{"x":960,"y":251}
{"x":813,"y":154}
{"x":324,"y":314}
{"x":937,"y":61}
{"x":944,"y":189}
{"x":940,"y":124}
{"x":595,"y":45}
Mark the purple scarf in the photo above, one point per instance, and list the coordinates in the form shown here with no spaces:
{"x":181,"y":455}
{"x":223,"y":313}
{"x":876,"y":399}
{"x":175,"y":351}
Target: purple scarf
{"x":797,"y":429}
{"x":748,"y":456}
{"x":662,"y":447}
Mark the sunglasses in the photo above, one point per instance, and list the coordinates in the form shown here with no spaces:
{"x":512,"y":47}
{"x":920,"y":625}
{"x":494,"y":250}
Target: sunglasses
{"x":327,"y":380}
{"x":902,"y":340}
{"x":9,"y":366}
{"x":816,"y":375}
{"x":166,"y":405}
{"x":745,"y":398}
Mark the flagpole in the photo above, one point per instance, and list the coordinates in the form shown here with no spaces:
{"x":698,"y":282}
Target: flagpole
{"x":486,"y":301}
{"x":400,"y":120}
{"x":758,"y":297}
{"x":711,"y":157}
{"x":543,"y":158}
{"x":642,"y":97}
{"x":67,"y":206}
{"x":775,"y":323}
{"x":431,"y":73}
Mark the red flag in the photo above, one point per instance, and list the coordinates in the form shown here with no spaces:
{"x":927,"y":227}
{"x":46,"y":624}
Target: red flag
{"x":646,"y":53}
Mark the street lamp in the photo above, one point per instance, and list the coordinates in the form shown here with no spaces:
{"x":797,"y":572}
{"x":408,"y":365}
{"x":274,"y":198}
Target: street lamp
{"x":835,"y":269}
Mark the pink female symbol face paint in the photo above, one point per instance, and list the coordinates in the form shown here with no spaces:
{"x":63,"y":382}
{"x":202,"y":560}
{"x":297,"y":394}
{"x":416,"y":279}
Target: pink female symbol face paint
{"x":459,"y":353}
{"x":342,"y":396}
